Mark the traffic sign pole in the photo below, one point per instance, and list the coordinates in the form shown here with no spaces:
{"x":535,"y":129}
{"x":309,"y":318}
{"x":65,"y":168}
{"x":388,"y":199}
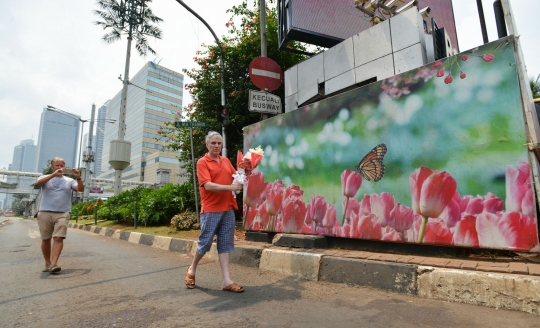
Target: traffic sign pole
{"x":194,"y":177}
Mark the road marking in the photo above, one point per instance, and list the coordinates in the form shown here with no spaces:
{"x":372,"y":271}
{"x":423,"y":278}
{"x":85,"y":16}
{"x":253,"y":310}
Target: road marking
{"x":33,"y":234}
{"x":261,"y":72}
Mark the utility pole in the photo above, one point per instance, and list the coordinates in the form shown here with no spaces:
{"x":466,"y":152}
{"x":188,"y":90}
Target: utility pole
{"x":88,"y":155}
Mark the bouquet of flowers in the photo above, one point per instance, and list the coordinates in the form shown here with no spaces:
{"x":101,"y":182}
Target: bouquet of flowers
{"x":245,"y":164}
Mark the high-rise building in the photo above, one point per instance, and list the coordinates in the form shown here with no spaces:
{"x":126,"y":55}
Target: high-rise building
{"x":154,"y":97}
{"x":24,"y":156}
{"x":100,"y":133}
{"x":57,"y":138}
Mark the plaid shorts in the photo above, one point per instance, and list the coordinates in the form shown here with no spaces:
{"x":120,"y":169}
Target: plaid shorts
{"x":220,"y":224}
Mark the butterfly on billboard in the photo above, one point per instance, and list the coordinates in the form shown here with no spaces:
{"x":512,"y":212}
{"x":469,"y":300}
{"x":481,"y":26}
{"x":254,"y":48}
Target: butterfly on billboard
{"x":371,"y":167}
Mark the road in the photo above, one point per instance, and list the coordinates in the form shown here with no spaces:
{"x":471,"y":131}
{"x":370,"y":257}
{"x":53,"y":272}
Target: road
{"x":107,"y":282}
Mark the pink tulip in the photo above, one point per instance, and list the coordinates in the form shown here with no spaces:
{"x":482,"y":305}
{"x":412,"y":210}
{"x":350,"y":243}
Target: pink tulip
{"x":506,"y":230}
{"x":255,"y":188}
{"x":492,"y":203}
{"x":350,"y":183}
{"x":528,"y":206}
{"x":293,"y":189}
{"x":437,"y":233}
{"x":350,"y":205}
{"x":451,"y":214}
{"x":250,"y":218}
{"x":274,"y":197}
{"x":330,"y":219}
{"x":381,"y":206}
{"x":318,"y":209}
{"x":431,"y":191}
{"x":465,"y":232}
{"x":367,"y":228}
{"x":518,"y":182}
{"x":401,"y":218}
{"x":264,"y":217}
{"x":389,"y":234}
{"x":308,"y":219}
{"x":293,"y":213}
{"x":365,"y":204}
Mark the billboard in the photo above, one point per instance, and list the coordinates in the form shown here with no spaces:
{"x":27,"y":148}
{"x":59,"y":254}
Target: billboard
{"x":327,"y":23}
{"x":436,"y":155}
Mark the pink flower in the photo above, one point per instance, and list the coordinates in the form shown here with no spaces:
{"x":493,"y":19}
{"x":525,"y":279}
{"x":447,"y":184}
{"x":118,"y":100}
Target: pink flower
{"x":465,"y":232}
{"x":330,"y":219}
{"x":389,"y":234}
{"x":350,"y":183}
{"x":506,"y":230}
{"x":518,"y":183}
{"x":264,"y":217}
{"x":437,"y":64}
{"x":365,"y":204}
{"x":318,"y":209}
{"x":437,"y":233}
{"x":381,"y":206}
{"x":274,"y":197}
{"x":431,"y":191}
{"x":350,"y":205}
{"x":367,"y":228}
{"x":452,"y":212}
{"x":492,"y":203}
{"x":255,"y":188}
{"x":293,"y":189}
{"x":250,"y":218}
{"x":293,"y":213}
{"x":488,"y":57}
{"x":401,"y":218}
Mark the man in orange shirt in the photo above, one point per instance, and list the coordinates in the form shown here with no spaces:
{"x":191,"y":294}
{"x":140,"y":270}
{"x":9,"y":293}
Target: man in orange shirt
{"x":217,"y":211}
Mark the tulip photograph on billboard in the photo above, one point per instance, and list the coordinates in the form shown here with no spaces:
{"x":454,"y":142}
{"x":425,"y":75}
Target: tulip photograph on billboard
{"x":437,"y":155}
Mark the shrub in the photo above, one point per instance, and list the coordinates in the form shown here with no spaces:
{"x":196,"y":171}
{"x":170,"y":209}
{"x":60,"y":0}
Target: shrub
{"x":185,"y":221}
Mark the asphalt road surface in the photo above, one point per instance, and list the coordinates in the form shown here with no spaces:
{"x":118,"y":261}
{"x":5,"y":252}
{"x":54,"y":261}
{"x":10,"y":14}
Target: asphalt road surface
{"x":107,"y":282}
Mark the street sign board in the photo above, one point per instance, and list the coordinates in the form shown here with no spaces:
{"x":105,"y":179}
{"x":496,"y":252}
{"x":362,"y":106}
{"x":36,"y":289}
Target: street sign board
{"x":264,"y":102}
{"x":179,"y":124}
{"x":265,"y":73}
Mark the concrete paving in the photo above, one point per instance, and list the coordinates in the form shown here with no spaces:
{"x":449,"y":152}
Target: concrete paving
{"x":503,"y":284}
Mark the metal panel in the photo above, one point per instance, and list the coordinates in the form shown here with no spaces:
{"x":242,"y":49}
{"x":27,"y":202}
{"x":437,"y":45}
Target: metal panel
{"x":380,"y":68}
{"x":407,"y":29}
{"x":291,"y":81}
{"x":372,"y":44}
{"x":409,"y":58}
{"x":339,"y":82}
{"x":339,"y":59}
{"x":291,"y":103}
{"x":310,"y":74}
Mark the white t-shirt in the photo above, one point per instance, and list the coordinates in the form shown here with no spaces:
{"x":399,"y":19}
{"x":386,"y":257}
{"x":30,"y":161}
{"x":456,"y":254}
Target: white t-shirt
{"x":56,"y":194}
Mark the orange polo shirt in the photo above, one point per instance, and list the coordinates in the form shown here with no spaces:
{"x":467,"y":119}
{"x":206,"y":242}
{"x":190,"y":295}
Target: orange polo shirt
{"x":208,"y":170}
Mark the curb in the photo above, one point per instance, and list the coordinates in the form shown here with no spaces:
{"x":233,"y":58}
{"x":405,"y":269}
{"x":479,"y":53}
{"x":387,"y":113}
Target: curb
{"x":499,"y":290}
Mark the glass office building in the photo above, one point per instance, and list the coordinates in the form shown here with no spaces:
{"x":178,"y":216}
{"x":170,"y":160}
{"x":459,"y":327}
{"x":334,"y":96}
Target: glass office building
{"x":24,"y":156}
{"x":153,"y":99}
{"x":57,"y":138}
{"x":100,"y":134}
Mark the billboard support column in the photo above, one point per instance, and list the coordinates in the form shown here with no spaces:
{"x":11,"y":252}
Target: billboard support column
{"x":526,"y":98}
{"x":264,"y":52}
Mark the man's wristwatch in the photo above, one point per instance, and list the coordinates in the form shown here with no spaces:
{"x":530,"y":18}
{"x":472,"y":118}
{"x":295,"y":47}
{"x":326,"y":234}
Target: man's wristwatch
{"x":78,"y":179}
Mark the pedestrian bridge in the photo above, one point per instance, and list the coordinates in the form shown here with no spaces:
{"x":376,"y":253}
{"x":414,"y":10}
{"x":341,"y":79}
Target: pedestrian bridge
{"x":16,"y":182}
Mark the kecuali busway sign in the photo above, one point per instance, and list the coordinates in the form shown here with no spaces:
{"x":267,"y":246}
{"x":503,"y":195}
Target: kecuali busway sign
{"x":264,"y":102}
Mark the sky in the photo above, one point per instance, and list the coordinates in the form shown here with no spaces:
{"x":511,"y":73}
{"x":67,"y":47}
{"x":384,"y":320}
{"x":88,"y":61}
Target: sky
{"x":52,"y":53}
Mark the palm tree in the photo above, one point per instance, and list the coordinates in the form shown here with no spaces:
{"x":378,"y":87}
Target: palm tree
{"x":133,"y":18}
{"x":535,"y":87}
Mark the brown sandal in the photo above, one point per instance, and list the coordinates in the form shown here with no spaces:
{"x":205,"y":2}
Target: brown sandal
{"x":234,"y":287}
{"x":190,"y":280}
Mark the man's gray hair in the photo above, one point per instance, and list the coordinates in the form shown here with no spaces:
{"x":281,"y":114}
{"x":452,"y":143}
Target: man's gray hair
{"x":210,"y":135}
{"x":56,"y":159}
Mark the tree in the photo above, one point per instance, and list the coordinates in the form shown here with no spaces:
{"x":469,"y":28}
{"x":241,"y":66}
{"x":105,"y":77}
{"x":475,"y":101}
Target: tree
{"x":535,"y":87}
{"x":239,"y":48}
{"x":133,"y":18}
{"x":18,"y":206}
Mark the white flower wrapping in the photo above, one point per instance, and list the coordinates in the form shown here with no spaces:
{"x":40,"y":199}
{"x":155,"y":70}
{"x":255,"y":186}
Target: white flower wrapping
{"x":239,"y":177}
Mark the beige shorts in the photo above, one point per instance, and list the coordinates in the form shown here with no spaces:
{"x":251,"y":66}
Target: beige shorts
{"x":52,"y":224}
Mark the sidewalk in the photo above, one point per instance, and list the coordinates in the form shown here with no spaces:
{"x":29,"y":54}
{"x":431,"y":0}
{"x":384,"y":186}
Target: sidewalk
{"x":506,"y":284}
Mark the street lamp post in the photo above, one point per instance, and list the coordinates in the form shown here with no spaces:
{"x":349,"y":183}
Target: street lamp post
{"x":224,"y":149}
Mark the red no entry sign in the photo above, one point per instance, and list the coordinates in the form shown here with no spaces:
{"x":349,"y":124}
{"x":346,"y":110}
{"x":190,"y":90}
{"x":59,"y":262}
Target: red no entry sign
{"x":265,"y":73}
